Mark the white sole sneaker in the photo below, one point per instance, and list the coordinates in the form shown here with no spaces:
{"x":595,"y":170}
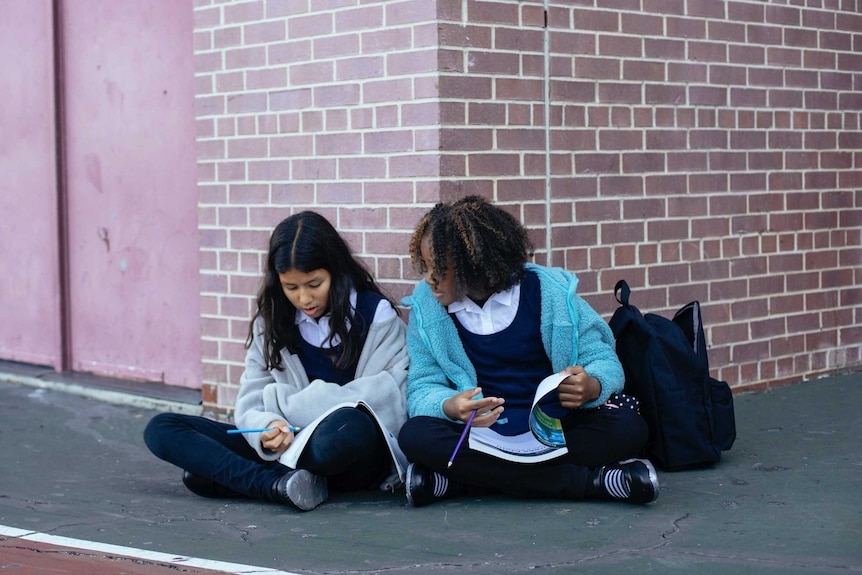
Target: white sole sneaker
{"x":306,"y":490}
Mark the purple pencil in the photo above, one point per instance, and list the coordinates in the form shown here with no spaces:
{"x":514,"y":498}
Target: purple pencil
{"x":461,"y":439}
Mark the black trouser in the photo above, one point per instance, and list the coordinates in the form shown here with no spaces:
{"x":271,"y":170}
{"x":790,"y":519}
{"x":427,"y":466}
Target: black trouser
{"x":346,"y":448}
{"x":594,"y":437}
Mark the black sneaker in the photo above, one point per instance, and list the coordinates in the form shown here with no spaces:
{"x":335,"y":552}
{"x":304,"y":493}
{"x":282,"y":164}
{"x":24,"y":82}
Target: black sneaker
{"x":633,"y":480}
{"x":301,"y":489}
{"x":207,"y":487}
{"x":424,"y":486}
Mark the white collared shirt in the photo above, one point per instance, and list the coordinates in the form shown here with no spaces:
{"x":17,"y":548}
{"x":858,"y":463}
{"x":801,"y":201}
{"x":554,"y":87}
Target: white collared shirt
{"x":497,"y":314}
{"x":316,"y":331}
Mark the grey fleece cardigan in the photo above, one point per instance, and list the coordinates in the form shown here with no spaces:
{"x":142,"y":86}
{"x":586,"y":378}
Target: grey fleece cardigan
{"x":267,"y":395}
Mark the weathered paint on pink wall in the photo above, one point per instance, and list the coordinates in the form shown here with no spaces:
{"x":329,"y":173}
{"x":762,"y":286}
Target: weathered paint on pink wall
{"x":129,"y":91}
{"x":29,"y":292}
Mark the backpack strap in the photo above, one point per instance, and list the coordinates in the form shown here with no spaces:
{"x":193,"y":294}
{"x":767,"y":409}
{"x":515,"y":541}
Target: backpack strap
{"x":622,"y":292}
{"x":625,"y":313}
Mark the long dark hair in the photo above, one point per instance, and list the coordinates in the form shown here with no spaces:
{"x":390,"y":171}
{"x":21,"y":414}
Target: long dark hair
{"x":484,"y":244}
{"x":306,"y":242}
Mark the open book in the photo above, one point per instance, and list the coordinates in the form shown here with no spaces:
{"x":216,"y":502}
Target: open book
{"x":290,"y":458}
{"x":545,"y":439}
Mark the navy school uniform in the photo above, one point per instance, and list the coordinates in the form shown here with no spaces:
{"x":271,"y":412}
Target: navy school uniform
{"x":510,"y":364}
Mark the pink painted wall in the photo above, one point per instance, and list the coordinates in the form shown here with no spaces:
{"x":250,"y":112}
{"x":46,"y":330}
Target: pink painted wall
{"x":29,"y":293}
{"x":134,"y":263}
{"x":127,"y":93}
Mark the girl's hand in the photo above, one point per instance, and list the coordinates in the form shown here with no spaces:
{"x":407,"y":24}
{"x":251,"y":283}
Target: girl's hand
{"x":579,"y":388}
{"x":461,"y":405}
{"x":277,"y":440}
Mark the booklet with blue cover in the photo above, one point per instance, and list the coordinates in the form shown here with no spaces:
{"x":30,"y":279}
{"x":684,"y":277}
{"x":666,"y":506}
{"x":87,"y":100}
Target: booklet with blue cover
{"x":545,"y":439}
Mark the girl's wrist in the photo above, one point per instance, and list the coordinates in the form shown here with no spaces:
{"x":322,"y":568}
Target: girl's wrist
{"x":596,"y":387}
{"x":447,"y":409}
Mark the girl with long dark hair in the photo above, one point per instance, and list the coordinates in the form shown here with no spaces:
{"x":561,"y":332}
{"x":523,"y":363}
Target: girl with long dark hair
{"x":323,"y":334}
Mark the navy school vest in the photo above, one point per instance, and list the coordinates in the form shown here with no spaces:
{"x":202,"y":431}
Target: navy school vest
{"x":511,"y":363}
{"x":319,"y":363}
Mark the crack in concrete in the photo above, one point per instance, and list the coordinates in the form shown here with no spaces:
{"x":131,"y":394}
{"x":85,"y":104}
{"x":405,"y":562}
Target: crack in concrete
{"x":666,"y":535}
{"x":675,"y":529}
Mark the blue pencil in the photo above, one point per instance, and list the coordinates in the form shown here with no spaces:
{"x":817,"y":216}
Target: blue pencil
{"x":461,"y":439}
{"x":259,"y":430}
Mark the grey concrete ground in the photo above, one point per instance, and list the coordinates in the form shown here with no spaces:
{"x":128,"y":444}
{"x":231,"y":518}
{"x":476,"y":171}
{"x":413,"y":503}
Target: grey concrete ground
{"x":786,"y":499}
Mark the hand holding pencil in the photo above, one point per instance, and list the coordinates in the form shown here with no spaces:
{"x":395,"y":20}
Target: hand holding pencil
{"x":262,"y":429}
{"x":461,"y":439}
{"x":482,"y":412}
{"x":278,"y":437}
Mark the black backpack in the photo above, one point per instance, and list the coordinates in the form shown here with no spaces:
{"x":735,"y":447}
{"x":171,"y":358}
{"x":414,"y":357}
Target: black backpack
{"x":689,"y":414}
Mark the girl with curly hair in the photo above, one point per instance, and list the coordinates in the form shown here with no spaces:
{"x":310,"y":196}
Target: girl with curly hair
{"x":486,"y":327}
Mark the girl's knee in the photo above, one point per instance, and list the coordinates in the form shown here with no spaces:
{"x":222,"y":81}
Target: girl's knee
{"x":415,"y":435}
{"x":632,"y":431}
{"x":157,"y":431}
{"x":636,"y":425}
{"x":356,"y":421}
{"x":346,"y":430}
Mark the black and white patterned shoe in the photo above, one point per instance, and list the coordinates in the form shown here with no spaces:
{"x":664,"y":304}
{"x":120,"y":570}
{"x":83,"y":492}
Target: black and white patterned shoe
{"x":424,"y":486}
{"x":633,"y":480}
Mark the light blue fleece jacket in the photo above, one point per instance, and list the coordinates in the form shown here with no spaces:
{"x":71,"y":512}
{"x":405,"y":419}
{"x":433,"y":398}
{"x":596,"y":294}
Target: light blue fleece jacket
{"x":572,"y":334}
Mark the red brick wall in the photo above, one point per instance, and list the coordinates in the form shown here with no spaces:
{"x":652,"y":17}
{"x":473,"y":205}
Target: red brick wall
{"x":700,"y":149}
{"x":325,"y":105}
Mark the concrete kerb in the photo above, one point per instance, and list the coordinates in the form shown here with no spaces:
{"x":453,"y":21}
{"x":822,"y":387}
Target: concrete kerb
{"x":105,"y":395}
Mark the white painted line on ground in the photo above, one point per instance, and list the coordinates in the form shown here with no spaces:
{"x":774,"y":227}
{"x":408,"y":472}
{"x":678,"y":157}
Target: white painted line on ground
{"x":235,"y":568}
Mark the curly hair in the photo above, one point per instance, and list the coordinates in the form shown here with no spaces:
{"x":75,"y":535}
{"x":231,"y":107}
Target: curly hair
{"x":485,"y":245}
{"x":307,"y":242}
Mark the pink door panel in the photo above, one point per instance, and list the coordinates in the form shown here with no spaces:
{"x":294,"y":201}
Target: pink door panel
{"x":29,"y":278}
{"x":133,"y":240}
